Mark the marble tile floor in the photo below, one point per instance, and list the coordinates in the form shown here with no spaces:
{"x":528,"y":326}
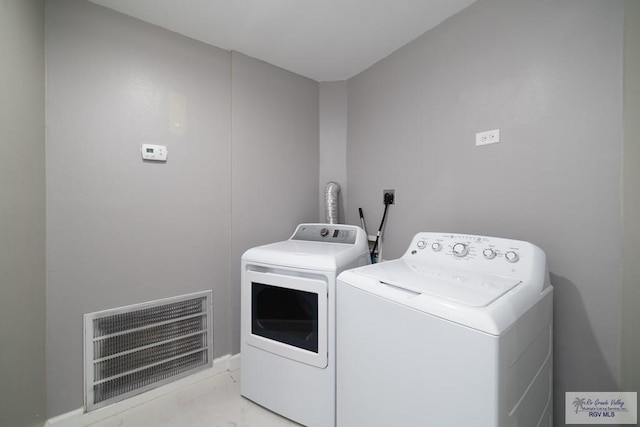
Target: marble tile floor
{"x":213,"y":402}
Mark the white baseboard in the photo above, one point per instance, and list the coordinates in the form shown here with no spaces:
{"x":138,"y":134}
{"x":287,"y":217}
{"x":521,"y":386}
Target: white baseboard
{"x":234,"y":362}
{"x":78,"y":418}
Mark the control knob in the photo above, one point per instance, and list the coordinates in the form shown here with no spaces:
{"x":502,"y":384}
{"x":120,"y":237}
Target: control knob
{"x":324,"y":232}
{"x":421,"y":244}
{"x":435,"y":246}
{"x":511,"y":256}
{"x":460,"y":250}
{"x":489,"y":253}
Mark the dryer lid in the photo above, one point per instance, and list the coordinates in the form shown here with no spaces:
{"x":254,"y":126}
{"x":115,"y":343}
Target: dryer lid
{"x":470,"y":288}
{"x":329,"y":257}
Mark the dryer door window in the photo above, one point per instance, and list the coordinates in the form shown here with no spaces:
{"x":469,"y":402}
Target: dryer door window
{"x":286,"y":314}
{"x":289,"y":316}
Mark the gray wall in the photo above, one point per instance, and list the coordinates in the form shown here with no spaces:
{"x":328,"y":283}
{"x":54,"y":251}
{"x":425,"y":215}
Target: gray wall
{"x":22,"y":214}
{"x":122,"y":231}
{"x":549,"y":75}
{"x":333,"y":142}
{"x":274,"y":161}
{"x":630,"y":355}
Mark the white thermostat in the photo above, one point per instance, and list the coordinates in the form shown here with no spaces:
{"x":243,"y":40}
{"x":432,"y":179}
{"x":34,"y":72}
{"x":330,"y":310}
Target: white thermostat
{"x":154,"y":152}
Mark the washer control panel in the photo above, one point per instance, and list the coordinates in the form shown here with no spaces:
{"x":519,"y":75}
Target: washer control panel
{"x":483,"y":253}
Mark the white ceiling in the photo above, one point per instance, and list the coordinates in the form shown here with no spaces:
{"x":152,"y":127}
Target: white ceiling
{"x":326,"y":40}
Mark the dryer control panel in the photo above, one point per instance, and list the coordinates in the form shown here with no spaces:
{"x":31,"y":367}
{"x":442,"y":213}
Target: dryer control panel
{"x":328,"y":233}
{"x":479,"y":253}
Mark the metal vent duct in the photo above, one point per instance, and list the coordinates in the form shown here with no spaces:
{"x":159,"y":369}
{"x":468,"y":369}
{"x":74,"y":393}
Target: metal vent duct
{"x":129,"y":350}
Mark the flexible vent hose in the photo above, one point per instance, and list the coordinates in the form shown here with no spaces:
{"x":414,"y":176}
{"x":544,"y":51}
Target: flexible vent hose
{"x":331,"y":202}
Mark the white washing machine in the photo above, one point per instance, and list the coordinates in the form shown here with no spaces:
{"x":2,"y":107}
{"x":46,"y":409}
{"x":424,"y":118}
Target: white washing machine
{"x":457,"y":332}
{"x":288,"y":320}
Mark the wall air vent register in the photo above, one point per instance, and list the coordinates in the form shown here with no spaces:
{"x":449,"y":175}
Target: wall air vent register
{"x":133,"y":349}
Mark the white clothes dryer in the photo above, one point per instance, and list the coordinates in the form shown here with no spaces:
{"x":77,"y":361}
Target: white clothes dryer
{"x":457,"y":332}
{"x":288,"y":320}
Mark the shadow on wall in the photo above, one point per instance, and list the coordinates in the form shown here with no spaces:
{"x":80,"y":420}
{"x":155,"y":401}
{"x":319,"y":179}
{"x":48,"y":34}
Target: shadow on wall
{"x":342,"y":215}
{"x":578,"y":362}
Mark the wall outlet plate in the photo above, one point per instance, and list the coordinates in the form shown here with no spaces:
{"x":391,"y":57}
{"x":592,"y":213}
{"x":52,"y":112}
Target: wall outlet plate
{"x":488,"y":137}
{"x":393,"y":196}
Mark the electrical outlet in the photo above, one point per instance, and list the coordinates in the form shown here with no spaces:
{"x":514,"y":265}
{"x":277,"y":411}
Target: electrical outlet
{"x":393,"y":196}
{"x":488,"y":137}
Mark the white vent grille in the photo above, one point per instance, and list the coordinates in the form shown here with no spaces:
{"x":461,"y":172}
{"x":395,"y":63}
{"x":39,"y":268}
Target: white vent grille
{"x":133,"y":349}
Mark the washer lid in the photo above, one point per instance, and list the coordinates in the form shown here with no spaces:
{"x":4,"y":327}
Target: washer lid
{"x":470,"y":288}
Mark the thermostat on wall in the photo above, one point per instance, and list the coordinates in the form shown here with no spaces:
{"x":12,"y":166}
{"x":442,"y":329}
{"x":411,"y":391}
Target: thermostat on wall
{"x":154,"y":152}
